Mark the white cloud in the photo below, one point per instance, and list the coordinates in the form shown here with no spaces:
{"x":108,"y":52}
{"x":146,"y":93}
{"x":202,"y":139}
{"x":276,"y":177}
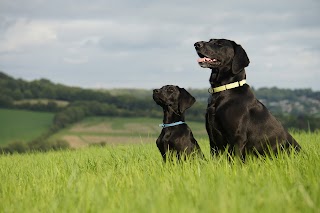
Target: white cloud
{"x":24,"y":33}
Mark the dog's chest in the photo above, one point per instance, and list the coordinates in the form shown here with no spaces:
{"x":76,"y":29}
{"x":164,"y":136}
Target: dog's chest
{"x":216,"y":109}
{"x":212,"y":100}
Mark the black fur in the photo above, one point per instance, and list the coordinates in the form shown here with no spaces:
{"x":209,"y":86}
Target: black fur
{"x":235,"y":119}
{"x":178,"y":139}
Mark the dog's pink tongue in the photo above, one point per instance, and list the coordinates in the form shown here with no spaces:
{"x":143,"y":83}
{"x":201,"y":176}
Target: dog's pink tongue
{"x":203,"y":59}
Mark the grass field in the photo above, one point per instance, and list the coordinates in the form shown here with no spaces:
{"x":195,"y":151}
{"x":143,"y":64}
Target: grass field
{"x":132,"y":178}
{"x":117,"y":130}
{"x":20,"y":125}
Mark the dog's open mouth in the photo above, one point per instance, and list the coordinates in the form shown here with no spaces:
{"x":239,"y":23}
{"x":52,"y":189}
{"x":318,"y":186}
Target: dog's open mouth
{"x":208,"y":62}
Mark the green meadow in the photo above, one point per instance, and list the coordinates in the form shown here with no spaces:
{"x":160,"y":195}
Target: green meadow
{"x":21,"y":125}
{"x":132,"y":178}
{"x":127,"y":174}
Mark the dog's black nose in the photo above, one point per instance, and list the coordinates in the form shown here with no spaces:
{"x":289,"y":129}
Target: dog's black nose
{"x":198,"y":44}
{"x":156,"y":91}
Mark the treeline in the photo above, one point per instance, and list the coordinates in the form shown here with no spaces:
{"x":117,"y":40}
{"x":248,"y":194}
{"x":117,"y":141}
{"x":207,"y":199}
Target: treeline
{"x":13,"y":90}
{"x":294,"y":108}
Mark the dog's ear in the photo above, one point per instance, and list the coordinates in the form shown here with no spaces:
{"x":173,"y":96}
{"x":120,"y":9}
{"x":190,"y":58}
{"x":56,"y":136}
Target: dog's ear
{"x":185,"y":100}
{"x":240,"y":59}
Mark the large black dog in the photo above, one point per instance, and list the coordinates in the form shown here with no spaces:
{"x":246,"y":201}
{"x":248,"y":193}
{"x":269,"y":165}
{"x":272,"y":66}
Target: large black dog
{"x":175,"y":136}
{"x":235,"y":119}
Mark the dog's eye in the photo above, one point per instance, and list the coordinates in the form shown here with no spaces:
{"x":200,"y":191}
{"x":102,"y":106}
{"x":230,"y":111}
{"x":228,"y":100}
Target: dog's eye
{"x":170,"y":90}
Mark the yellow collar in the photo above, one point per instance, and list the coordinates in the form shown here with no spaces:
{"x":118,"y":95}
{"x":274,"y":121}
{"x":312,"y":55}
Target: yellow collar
{"x":227,"y":86}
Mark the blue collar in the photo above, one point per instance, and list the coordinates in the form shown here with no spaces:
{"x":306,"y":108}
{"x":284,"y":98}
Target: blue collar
{"x":172,"y":124}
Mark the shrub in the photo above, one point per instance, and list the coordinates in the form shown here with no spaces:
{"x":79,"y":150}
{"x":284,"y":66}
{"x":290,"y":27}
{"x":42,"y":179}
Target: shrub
{"x":15,"y":147}
{"x":43,"y":145}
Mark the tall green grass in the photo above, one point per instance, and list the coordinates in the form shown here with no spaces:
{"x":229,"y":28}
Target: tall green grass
{"x":22,"y":125}
{"x":133,"y":178}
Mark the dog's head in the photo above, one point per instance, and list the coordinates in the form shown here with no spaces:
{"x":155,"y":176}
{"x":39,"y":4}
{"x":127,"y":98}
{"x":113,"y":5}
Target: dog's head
{"x":221,"y":54}
{"x":174,"y":97}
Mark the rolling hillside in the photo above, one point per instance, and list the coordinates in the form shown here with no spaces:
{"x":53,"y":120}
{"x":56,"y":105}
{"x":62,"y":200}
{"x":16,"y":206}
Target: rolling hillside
{"x":70,"y":112}
{"x":117,"y":130}
{"x":24,"y":126}
{"x":21,"y":125}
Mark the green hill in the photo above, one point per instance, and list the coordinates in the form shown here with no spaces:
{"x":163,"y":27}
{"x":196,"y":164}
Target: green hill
{"x":21,"y":125}
{"x":117,"y":130}
{"x":298,"y":108}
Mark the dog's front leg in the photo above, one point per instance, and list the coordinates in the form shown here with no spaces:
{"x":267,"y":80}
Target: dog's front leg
{"x":163,"y":148}
{"x":215,"y":136}
{"x":239,"y":146}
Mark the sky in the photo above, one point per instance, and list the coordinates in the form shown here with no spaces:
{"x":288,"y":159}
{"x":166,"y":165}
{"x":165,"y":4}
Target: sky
{"x":148,"y":44}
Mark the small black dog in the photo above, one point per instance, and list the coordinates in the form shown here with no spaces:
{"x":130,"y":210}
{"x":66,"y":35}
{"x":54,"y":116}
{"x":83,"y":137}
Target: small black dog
{"x":175,"y":136}
{"x":235,"y":118}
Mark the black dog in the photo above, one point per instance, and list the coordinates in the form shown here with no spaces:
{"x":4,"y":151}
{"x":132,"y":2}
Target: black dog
{"x":175,"y":136}
{"x":235,"y":119}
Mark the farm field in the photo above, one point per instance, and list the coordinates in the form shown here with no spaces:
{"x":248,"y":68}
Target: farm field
{"x":117,"y":130}
{"x":21,"y":125}
{"x":132,"y":178}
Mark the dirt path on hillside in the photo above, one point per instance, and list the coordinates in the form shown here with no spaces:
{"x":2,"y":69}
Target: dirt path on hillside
{"x":86,"y":140}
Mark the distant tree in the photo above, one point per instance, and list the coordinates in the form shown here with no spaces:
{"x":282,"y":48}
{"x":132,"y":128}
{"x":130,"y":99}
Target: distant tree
{"x":5,"y":101}
{"x":16,"y":147}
